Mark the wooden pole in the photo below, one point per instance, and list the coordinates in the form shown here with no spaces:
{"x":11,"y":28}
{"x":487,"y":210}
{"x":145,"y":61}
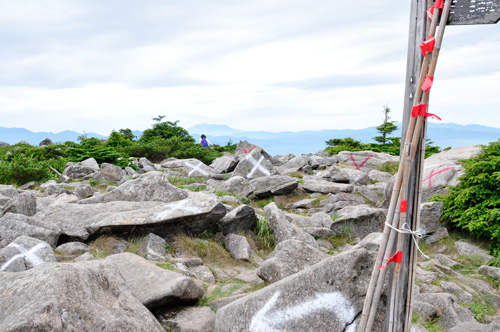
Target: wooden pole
{"x":400,"y":280}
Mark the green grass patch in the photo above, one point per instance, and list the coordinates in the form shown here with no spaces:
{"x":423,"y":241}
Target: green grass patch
{"x":339,"y":241}
{"x":209,"y":249}
{"x":228,"y":287}
{"x":264,"y":238}
{"x":481,"y":310}
{"x":180,"y":181}
{"x":166,"y":265}
{"x":298,"y":175}
{"x":389,"y":167}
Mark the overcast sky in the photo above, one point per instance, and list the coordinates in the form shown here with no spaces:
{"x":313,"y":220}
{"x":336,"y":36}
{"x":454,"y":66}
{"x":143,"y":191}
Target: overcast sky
{"x":273,"y":65}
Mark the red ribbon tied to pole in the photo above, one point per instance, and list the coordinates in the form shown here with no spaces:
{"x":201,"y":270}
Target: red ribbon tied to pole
{"x":421,"y":110}
{"x":428,"y":45}
{"x":427,"y":83}
{"x":439,"y":4}
{"x":397,"y":258}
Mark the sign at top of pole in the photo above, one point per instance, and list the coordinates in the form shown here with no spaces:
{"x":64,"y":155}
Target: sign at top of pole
{"x":468,"y":12}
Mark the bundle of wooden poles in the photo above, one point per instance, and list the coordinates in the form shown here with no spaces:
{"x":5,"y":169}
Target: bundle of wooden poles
{"x":397,"y":229}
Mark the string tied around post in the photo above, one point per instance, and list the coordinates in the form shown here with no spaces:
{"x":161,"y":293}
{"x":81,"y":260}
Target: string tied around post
{"x":405,"y":229}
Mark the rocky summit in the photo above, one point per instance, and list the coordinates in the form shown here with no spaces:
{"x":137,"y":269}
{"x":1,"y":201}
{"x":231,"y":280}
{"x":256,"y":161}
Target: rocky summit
{"x":251,"y":242}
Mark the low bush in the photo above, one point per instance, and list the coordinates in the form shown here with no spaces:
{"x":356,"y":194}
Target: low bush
{"x":474,"y":204}
{"x":22,"y":169}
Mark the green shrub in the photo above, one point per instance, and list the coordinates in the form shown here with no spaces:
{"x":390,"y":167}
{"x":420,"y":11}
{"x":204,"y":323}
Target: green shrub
{"x":474,"y":205}
{"x":22,"y":169}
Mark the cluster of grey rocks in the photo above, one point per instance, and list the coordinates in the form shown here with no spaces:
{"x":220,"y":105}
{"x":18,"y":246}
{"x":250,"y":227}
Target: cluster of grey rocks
{"x":50,"y":280}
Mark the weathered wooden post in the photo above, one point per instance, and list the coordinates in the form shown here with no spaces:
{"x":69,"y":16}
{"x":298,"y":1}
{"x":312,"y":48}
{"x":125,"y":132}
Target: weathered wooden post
{"x":463,"y":12}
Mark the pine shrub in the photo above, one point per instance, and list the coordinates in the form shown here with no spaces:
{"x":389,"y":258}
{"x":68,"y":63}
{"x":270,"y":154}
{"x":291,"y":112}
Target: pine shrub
{"x":474,"y":205}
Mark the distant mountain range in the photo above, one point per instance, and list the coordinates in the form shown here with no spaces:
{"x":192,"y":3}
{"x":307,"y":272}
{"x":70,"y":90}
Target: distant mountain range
{"x":442,"y":134}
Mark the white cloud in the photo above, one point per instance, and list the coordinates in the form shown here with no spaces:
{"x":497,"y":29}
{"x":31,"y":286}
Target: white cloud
{"x":265,"y":65}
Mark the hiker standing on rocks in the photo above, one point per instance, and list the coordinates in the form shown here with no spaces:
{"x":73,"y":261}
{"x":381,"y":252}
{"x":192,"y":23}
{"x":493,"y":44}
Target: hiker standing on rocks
{"x":204,"y":141}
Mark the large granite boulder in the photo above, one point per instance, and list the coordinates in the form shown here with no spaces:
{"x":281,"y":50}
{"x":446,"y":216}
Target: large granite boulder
{"x":24,"y":203}
{"x":87,"y":296}
{"x":254,"y":164}
{"x":8,"y":190}
{"x":109,"y":173}
{"x":328,"y":296}
{"x":238,"y":247}
{"x":45,"y":142}
{"x":284,"y":230}
{"x":152,"y":285}
{"x":240,"y":219}
{"x":82,"y":170}
{"x":25,"y":253}
{"x":289,"y":257}
{"x":224,"y":164}
{"x":272,"y":185}
{"x":359,"y":221}
{"x":14,"y":225}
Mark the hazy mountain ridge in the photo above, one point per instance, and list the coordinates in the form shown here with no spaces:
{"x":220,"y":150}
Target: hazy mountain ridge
{"x":15,"y":135}
{"x":442,"y":134}
{"x":282,"y":143}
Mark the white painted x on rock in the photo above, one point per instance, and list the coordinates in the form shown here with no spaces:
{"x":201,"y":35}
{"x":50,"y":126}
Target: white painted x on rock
{"x":196,"y":169}
{"x":266,"y":321}
{"x":28,"y":255}
{"x":171,"y":207}
{"x":257,"y":166}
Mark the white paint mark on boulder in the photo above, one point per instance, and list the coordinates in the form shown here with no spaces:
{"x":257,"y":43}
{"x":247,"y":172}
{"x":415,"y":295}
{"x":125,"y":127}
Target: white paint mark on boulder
{"x":196,"y":169}
{"x":170,"y":208}
{"x":257,"y":166}
{"x":28,"y":255}
{"x":266,"y":321}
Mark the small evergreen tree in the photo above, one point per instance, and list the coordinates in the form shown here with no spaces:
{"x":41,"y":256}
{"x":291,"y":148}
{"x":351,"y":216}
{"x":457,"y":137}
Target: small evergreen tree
{"x":165,"y":129}
{"x":386,"y":127}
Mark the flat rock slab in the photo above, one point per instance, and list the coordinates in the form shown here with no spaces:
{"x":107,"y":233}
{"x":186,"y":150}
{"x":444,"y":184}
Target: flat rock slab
{"x":325,"y":187}
{"x":365,"y":161}
{"x":85,"y":296}
{"x":272,"y":185}
{"x":152,"y":186}
{"x":193,"y":215}
{"x":13,"y":225}
{"x":326,"y":297}
{"x":78,"y":221}
{"x":74,"y":219}
{"x":153,"y":285}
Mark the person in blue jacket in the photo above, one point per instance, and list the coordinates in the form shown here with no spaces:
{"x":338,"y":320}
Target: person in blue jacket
{"x":204,"y":141}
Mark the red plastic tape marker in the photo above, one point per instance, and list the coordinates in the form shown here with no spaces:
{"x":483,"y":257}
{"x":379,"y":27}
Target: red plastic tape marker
{"x":427,"y":83}
{"x":428,"y":45}
{"x":397,"y":258}
{"x":404,"y":206}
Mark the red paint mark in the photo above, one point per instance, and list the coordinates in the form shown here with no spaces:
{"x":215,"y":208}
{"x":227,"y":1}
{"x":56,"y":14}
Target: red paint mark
{"x":354,"y":161}
{"x":245,"y":150}
{"x":433,"y":173}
